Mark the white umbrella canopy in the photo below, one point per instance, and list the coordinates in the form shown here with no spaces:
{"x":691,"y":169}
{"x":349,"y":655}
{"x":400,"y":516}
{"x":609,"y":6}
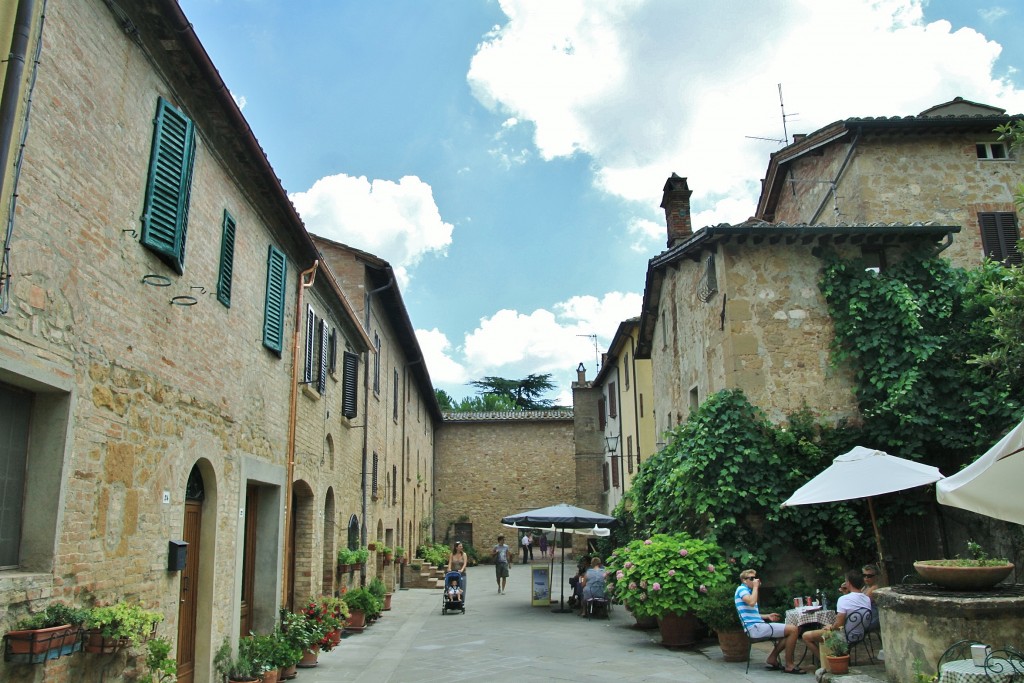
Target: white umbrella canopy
{"x":991,"y":485}
{"x":863,"y":473}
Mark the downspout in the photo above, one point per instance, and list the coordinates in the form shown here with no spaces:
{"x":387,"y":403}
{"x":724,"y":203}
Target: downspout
{"x":303,"y":284}
{"x":8,"y":115}
{"x":839,"y":174}
{"x":366,"y":408}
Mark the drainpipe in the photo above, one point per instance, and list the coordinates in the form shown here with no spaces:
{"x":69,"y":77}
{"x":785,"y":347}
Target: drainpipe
{"x":12,"y":80}
{"x":303,"y":284}
{"x":636,"y":406}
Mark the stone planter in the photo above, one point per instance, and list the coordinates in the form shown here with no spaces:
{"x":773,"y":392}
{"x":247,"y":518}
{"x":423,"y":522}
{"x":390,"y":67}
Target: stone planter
{"x":678,"y":630}
{"x":735,"y":645}
{"x":963,"y":578}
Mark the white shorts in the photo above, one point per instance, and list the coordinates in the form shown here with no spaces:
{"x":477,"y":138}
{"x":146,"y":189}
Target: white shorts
{"x":766,"y":629}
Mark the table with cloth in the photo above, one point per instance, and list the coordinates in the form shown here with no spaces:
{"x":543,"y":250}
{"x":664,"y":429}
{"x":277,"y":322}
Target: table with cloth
{"x":966,"y":671}
{"x":805,"y":616}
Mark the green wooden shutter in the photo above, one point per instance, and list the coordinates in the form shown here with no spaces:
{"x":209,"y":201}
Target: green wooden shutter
{"x":307,"y":370}
{"x":321,"y":382}
{"x":999,"y":235}
{"x":165,"y":209}
{"x":227,"y":260}
{"x":350,"y":384}
{"x":273,"y":307}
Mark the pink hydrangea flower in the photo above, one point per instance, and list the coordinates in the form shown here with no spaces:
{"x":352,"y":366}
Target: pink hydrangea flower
{"x":620,"y":575}
{"x":611,"y":586}
{"x":711,"y":567}
{"x":632,"y":585}
{"x":643,"y":596}
{"x":683,"y":552}
{"x":643,"y":584}
{"x":656,"y":586}
{"x":628,"y":565}
{"x":671,"y":572}
{"x":647,"y":542}
{"x":703,"y":588}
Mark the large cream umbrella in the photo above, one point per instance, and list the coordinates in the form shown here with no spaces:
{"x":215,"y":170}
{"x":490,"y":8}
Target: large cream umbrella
{"x":863,"y":473}
{"x":991,"y":485}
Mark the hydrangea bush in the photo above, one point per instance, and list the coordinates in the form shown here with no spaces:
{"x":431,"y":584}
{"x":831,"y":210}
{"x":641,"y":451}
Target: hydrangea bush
{"x":665,"y":573}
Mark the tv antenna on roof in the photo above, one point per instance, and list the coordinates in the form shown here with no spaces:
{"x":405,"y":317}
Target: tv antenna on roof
{"x":597,"y":350}
{"x":785,"y":132}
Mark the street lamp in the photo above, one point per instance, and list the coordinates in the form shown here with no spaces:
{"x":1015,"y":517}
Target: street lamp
{"x":612,"y":442}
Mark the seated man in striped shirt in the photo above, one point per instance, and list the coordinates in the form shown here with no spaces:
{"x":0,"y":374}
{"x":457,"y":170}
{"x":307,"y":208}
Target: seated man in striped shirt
{"x":763,"y":626}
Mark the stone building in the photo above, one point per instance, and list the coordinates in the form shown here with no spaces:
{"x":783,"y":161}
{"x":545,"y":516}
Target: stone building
{"x":177,"y":362}
{"x":489,"y":465}
{"x":622,"y":417}
{"x":400,"y":408}
{"x":945,"y":165}
{"x":738,"y":306}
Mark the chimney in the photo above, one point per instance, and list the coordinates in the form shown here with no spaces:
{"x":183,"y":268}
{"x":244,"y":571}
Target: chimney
{"x":581,"y":374}
{"x":676,"y":202}
{"x":798,"y":137}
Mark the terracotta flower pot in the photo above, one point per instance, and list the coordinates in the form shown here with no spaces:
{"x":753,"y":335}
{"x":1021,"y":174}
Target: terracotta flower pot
{"x":288,"y":672}
{"x":838,"y":665}
{"x":271,"y":676}
{"x":96,"y":643}
{"x":310,"y":658}
{"x":678,"y":630}
{"x":963,"y":578}
{"x":356,"y":621}
{"x":387,"y":601}
{"x":734,"y":645}
{"x":38,"y":645}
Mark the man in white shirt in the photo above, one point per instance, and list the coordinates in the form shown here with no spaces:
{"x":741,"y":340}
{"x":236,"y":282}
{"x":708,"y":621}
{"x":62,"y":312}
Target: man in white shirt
{"x":853,"y":600}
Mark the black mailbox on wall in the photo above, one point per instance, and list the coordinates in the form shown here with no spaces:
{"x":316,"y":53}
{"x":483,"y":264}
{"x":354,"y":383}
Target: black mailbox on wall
{"x":176,"y":552}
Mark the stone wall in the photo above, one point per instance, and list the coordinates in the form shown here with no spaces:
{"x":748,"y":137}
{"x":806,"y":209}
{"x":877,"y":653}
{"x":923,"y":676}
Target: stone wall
{"x":497,"y":464}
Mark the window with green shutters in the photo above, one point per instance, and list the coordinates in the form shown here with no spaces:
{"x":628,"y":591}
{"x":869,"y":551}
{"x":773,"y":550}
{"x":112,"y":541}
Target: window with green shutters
{"x":321,"y":381}
{"x":999,"y":235}
{"x":307,"y":370}
{"x":350,"y":384}
{"x":273,"y":306}
{"x":227,"y":260}
{"x":165,"y":209}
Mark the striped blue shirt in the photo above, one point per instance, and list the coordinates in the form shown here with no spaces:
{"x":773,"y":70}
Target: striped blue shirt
{"x":749,"y":614}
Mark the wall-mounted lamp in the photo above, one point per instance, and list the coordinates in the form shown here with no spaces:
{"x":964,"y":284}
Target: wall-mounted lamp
{"x":612,"y":442}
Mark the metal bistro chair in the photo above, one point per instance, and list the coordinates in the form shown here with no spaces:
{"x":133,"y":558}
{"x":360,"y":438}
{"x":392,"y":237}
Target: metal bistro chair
{"x":998,"y":664}
{"x":857,"y":627}
{"x":751,"y":640}
{"x":597,"y":601}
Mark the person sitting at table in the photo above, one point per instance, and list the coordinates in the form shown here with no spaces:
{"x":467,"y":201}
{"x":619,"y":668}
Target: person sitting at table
{"x":763,"y":626}
{"x":592,"y":582}
{"x":871,"y":584}
{"x":853,"y":599}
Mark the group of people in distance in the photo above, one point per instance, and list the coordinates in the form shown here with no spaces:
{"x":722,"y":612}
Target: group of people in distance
{"x":856,"y":592}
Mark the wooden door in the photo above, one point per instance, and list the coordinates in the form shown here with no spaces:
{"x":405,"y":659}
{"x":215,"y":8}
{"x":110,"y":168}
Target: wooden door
{"x":249,"y":561}
{"x":188,"y":592}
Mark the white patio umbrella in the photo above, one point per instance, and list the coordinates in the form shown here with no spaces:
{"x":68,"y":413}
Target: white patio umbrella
{"x":991,"y":485}
{"x":863,"y":473}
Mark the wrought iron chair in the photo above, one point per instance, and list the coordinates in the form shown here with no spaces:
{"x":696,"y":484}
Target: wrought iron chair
{"x":751,"y":640}
{"x":857,"y":625}
{"x":598,"y":602}
{"x":1005,"y":662}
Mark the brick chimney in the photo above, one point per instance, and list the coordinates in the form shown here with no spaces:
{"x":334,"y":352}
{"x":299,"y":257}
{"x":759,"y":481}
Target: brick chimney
{"x":676,"y":202}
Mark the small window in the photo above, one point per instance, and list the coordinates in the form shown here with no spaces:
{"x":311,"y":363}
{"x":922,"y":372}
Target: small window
{"x":165,"y":207}
{"x":376,"y":364}
{"x":616,"y":459}
{"x":227,"y":260}
{"x":332,"y":351}
{"x":999,"y":236}
{"x":394,"y":398}
{"x":604,"y":476}
{"x":602,"y":417}
{"x":625,"y":371}
{"x":307,"y":370}
{"x":694,"y":400}
{"x":629,"y":453}
{"x":373,"y":479}
{"x":613,"y":404}
{"x":273,"y":306}
{"x":991,"y":150}
{"x":874,"y":259}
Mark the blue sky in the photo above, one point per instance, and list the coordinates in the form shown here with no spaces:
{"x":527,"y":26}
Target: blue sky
{"x":507,"y":156}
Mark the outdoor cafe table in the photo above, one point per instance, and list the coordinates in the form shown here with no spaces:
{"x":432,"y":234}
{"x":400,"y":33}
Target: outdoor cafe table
{"x":966,"y":671}
{"x":803,"y":616}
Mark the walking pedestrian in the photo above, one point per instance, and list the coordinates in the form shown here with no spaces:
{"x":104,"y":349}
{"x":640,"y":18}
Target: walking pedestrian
{"x":544,"y":546}
{"x":501,"y":559}
{"x":525,"y":545}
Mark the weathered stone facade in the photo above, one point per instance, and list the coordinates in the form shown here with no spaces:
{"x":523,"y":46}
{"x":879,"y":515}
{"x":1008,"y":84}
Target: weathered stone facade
{"x":489,"y":465}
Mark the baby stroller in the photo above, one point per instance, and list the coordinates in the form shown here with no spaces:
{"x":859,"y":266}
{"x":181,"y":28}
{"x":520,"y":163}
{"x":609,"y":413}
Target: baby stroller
{"x":448,"y":600}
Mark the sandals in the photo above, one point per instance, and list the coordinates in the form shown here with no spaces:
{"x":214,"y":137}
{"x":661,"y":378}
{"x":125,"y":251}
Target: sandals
{"x":794,"y":671}
{"x":773,"y":667}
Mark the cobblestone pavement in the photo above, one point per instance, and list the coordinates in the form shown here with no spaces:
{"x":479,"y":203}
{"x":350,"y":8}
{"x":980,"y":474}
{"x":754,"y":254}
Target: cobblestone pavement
{"x":501,"y":637}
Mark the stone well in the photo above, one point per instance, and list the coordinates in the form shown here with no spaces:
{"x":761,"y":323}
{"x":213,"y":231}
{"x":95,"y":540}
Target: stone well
{"x":919,"y":621}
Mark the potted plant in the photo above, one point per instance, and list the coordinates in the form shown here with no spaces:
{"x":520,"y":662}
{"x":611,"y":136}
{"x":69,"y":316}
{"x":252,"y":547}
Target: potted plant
{"x":380,"y":592}
{"x":160,"y":666}
{"x":284,"y":655}
{"x":327,"y":621}
{"x":303,"y":634}
{"x":386,"y":552}
{"x":415,"y":566}
{"x":346,"y":560}
{"x":234,"y":669}
{"x":667,"y":576}
{"x":111,"y":627}
{"x":260,"y":651}
{"x":400,"y":554}
{"x":979,"y":572}
{"x":718,"y":612}
{"x":52,"y":633}
{"x":836,"y":652}
{"x":361,"y":604}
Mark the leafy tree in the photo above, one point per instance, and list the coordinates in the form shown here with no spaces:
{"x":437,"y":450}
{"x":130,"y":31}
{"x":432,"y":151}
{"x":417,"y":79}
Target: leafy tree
{"x":444,"y":399}
{"x":525,"y":394}
{"x":483,"y":403}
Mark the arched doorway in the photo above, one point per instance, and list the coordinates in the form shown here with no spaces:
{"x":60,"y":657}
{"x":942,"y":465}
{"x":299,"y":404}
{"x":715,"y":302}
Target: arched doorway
{"x":329,"y":556}
{"x":188,"y":589}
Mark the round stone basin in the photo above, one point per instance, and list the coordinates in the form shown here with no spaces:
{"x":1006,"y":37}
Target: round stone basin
{"x":919,"y":621}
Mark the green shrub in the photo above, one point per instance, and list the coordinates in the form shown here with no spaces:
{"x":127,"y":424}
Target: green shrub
{"x":436,"y":554}
{"x":55,"y":614}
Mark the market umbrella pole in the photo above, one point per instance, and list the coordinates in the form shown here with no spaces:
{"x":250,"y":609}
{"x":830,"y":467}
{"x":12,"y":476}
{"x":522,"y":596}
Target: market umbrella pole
{"x":561,"y":595}
{"x":878,"y":544}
